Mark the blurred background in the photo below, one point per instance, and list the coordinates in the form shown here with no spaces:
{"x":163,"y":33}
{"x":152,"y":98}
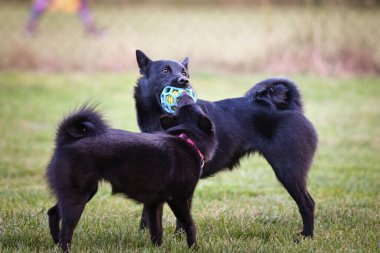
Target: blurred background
{"x":338,"y":37}
{"x":56,"y":54}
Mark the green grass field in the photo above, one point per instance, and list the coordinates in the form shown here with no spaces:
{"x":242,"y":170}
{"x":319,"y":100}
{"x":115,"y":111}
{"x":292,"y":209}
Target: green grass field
{"x":245,"y":210}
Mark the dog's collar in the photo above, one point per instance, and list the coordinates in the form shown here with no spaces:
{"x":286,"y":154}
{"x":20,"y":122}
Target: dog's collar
{"x":192,"y":143}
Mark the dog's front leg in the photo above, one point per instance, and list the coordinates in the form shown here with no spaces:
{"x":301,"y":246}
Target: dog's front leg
{"x":154,"y":220}
{"x":181,"y":210}
{"x":144,"y":218}
{"x":179,"y":226}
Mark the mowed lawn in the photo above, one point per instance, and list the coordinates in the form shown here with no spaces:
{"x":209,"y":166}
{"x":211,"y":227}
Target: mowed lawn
{"x":245,"y":210}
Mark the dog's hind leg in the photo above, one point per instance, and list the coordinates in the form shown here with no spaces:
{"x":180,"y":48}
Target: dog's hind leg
{"x":290,"y":153}
{"x":181,"y":210}
{"x":295,"y":184}
{"x":154,"y":216}
{"x":54,"y":219}
{"x":305,"y":203}
{"x":71,"y":210}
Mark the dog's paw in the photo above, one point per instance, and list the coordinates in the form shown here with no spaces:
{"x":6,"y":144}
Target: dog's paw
{"x":194,"y":247}
{"x":302,"y":236}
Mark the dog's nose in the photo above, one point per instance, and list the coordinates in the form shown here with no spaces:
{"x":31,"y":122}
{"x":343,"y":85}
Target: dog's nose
{"x":183,"y":81}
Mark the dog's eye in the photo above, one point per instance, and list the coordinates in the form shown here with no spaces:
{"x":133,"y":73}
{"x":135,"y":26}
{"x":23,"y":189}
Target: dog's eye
{"x":184,"y":73}
{"x":165,"y":70}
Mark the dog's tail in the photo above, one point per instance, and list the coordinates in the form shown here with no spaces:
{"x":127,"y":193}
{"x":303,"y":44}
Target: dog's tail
{"x":278,"y":93}
{"x":83,"y":122}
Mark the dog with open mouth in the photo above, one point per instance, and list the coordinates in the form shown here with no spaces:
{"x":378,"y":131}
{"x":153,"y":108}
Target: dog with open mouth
{"x":268,"y":120}
{"x":149,"y":168}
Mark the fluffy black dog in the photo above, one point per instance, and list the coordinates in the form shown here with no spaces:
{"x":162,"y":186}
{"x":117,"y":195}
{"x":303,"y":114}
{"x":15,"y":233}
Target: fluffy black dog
{"x":149,"y":168}
{"x":269,"y":120}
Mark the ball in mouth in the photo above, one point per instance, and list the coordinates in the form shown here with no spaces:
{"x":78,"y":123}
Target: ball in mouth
{"x":169,"y":97}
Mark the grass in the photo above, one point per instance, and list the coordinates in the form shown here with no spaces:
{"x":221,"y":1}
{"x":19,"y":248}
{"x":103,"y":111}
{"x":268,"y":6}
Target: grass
{"x":245,"y":210}
{"x":229,"y":37}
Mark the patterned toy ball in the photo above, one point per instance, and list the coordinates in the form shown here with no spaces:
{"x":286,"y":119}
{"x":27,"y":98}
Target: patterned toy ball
{"x":169,"y":97}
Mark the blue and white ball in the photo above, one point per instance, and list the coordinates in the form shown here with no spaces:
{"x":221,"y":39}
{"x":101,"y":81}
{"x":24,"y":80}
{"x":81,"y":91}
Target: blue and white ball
{"x":169,"y":97}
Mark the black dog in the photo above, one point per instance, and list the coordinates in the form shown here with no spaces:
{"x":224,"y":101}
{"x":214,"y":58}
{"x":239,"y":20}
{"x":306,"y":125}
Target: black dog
{"x":268,"y":119}
{"x":149,"y":168}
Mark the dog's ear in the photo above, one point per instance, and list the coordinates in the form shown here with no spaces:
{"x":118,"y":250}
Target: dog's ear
{"x":206,"y":125}
{"x":167,"y":121}
{"x":185,"y":99}
{"x":142,"y":60}
{"x":185,"y":62}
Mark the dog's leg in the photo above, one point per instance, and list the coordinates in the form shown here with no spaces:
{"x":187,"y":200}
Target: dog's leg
{"x":144,"y":218}
{"x":179,"y":226}
{"x":296,"y":187}
{"x":154,"y":216}
{"x":54,"y":219}
{"x":305,"y":205}
{"x":71,"y":211}
{"x":181,"y":210}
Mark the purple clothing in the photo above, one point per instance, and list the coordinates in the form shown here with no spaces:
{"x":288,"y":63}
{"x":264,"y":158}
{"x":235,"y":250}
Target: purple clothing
{"x":40,"y":6}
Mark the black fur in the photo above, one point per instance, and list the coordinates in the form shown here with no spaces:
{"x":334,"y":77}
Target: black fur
{"x":149,"y":168}
{"x":269,"y":120}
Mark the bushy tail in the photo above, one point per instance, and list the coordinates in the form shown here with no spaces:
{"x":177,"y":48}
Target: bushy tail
{"x":84,"y":122}
{"x":279,"y":93}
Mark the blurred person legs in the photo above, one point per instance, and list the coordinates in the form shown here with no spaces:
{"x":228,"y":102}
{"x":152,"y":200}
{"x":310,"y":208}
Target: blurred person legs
{"x":67,"y":6}
{"x":86,"y":18}
{"x":38,"y":8}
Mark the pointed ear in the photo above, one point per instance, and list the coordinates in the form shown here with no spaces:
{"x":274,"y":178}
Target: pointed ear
{"x":185,"y":62}
{"x":206,"y":125}
{"x":167,"y":121}
{"x":185,"y":99}
{"x":142,"y":60}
